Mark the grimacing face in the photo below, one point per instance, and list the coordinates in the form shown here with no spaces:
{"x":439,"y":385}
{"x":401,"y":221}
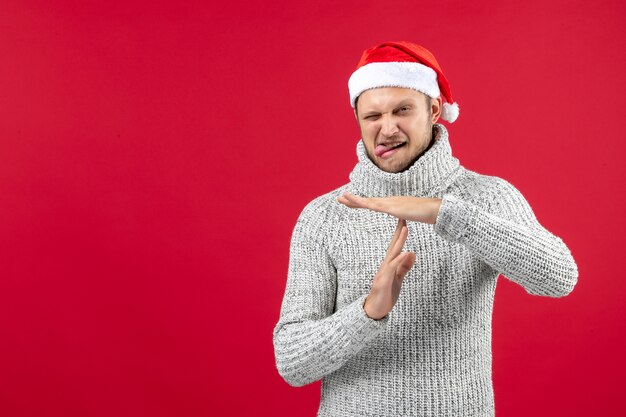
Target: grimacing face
{"x":396,"y":125}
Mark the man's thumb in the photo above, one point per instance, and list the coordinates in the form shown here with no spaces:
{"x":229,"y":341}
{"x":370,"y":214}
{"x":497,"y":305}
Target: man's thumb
{"x":405,"y":264}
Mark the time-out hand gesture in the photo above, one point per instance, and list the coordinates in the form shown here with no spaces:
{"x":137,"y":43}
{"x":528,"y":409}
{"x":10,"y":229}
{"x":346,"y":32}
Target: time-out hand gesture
{"x":417,"y":209}
{"x":388,"y":280}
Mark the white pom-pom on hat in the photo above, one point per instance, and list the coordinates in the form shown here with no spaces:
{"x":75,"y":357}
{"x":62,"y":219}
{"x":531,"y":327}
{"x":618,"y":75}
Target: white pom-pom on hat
{"x":450,"y":112}
{"x":403,"y":64}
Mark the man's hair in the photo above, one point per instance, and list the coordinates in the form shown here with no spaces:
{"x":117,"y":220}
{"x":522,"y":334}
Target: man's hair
{"x":429,"y":102}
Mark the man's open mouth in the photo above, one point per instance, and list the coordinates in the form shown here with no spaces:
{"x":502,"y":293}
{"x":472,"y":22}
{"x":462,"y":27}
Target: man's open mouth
{"x":383,"y":149}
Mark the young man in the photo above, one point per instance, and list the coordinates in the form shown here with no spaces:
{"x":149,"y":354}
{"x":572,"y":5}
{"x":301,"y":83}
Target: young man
{"x":407,"y":333}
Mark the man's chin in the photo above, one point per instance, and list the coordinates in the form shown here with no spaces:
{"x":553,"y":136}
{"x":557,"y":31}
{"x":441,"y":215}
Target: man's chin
{"x":392,"y":167}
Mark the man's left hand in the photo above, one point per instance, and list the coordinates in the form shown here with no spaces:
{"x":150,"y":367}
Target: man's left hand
{"x":417,"y":209}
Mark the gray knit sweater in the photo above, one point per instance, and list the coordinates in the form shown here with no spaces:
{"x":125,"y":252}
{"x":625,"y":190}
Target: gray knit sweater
{"x":431,"y":355}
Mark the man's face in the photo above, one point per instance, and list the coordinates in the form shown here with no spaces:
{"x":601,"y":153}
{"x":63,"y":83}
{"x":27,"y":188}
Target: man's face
{"x":396,"y":125}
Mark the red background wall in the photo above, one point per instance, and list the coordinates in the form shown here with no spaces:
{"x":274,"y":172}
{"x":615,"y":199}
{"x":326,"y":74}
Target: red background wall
{"x":154,"y":157}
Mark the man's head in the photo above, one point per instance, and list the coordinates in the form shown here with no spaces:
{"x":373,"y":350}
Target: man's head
{"x":388,"y":76}
{"x":396,"y":125}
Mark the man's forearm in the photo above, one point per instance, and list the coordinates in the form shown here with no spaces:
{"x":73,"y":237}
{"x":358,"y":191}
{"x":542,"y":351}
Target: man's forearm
{"x":307,"y":351}
{"x":525,"y":253}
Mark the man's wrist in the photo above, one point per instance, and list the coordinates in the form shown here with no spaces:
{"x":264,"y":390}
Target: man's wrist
{"x":435,"y":207}
{"x":368,"y":316}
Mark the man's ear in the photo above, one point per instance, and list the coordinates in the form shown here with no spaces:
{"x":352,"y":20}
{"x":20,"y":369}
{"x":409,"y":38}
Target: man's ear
{"x":436,"y":106}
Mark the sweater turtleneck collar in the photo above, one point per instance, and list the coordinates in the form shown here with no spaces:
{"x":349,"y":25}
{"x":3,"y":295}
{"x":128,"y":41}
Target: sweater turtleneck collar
{"x":426,"y":177}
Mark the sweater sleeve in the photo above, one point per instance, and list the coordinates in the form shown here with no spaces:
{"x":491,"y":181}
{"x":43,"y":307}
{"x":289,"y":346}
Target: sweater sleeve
{"x":310,"y":339}
{"x":513,"y":242}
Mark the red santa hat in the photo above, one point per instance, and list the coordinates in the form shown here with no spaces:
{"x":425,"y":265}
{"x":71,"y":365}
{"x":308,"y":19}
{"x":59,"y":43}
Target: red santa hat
{"x":403,"y":64}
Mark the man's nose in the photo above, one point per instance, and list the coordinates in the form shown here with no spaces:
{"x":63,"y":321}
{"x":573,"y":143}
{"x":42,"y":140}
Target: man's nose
{"x":389,"y":126}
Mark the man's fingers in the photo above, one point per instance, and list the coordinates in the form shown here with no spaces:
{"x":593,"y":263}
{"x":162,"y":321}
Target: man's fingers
{"x":347,"y":202}
{"x":354,"y":201}
{"x":395,"y":236}
{"x":396,"y":248}
{"x":371,"y":203}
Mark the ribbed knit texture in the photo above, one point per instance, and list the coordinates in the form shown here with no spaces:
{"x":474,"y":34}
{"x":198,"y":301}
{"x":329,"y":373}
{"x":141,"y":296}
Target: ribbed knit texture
{"x":431,"y":355}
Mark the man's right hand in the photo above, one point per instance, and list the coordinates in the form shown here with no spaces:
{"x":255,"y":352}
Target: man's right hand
{"x":388,"y":280}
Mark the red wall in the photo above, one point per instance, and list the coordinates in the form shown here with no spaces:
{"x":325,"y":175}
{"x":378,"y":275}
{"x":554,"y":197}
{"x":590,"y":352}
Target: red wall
{"x":154,"y":157}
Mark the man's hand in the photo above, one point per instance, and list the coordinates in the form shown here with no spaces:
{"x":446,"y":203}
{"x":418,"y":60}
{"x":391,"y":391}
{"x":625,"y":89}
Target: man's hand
{"x":388,"y":280}
{"x":417,"y":209}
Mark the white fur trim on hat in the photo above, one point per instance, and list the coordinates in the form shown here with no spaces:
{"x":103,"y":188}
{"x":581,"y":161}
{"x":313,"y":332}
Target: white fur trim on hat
{"x":394,"y":74}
